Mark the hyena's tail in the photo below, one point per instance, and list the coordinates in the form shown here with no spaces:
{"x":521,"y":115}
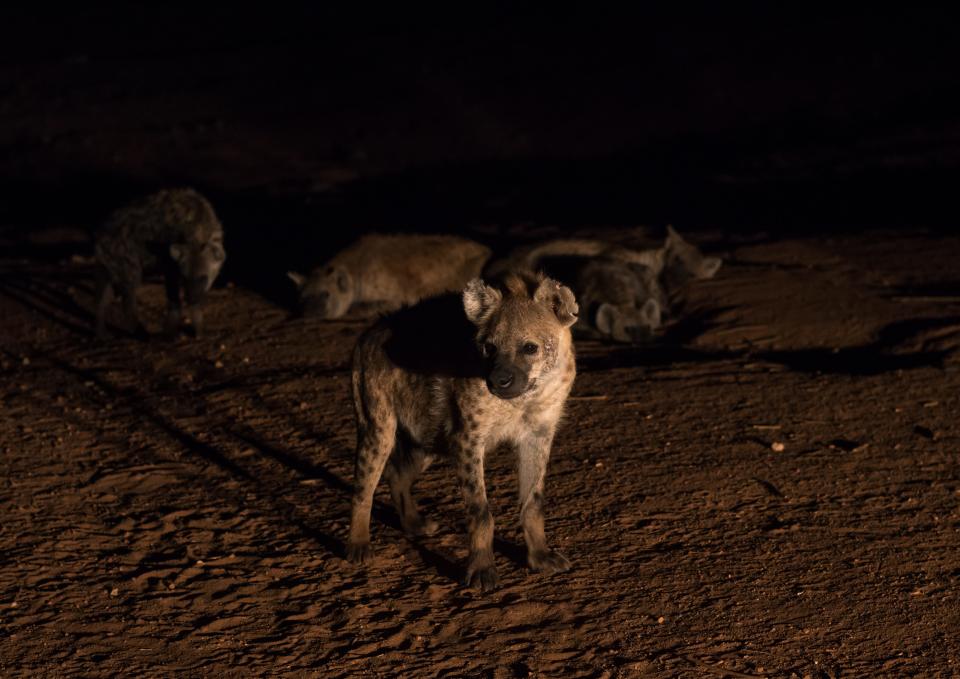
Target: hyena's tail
{"x":581,"y":247}
{"x":356,"y":390}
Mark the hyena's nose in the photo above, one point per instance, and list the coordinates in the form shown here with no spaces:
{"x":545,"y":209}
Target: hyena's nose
{"x":503,"y":380}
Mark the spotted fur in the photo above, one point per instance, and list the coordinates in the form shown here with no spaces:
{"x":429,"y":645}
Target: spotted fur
{"x":456,"y":376}
{"x":175,"y":231}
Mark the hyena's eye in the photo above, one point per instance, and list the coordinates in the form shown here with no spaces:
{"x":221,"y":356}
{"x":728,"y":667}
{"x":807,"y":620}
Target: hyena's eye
{"x":529,"y":348}
{"x":488,"y":349}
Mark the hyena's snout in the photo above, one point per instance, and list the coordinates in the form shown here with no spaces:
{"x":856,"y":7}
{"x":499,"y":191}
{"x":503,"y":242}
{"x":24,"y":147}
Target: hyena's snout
{"x":315,"y":305}
{"x":507,"y":380}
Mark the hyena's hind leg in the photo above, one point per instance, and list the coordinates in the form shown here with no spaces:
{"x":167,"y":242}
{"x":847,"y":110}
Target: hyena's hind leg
{"x":128,"y":291}
{"x":104,"y":296}
{"x":406,"y":464}
{"x":376,"y":439}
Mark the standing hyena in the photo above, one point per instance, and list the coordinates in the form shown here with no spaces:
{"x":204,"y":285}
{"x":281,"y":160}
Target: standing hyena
{"x":176,"y":231}
{"x":457,"y":375}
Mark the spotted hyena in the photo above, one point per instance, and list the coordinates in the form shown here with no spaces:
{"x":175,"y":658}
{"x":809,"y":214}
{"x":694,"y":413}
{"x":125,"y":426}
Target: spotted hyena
{"x":389,"y":271}
{"x":457,"y":375}
{"x":622,"y":301}
{"x":175,"y":231}
{"x":625,"y":293}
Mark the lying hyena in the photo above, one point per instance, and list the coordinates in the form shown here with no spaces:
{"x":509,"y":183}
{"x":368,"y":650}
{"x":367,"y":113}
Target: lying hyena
{"x":456,"y":376}
{"x":624,"y":293}
{"x":389,"y":271}
{"x":175,"y":231}
{"x":622,"y":301}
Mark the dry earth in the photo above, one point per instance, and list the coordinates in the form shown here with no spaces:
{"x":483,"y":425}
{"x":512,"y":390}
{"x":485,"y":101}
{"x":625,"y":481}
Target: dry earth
{"x":770,"y":490}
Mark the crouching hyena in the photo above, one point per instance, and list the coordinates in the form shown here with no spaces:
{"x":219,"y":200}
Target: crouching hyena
{"x":457,"y":375}
{"x":175,"y":231}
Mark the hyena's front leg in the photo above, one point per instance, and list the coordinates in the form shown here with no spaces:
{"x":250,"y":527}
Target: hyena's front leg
{"x":533,"y":452}
{"x":196,"y":321}
{"x":172,"y":286}
{"x":481,"y":570}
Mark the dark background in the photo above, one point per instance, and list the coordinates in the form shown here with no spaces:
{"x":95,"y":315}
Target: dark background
{"x":307,"y":125}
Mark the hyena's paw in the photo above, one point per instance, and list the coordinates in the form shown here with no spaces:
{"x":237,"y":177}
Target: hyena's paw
{"x":171,"y":325}
{"x":359,"y":552}
{"x":483,"y":576}
{"x":420,"y":527}
{"x":548,"y":561}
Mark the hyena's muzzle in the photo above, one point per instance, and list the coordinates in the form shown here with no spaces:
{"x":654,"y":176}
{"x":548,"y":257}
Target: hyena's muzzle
{"x":199,"y":266}
{"x":506,"y":379}
{"x":316,"y":304}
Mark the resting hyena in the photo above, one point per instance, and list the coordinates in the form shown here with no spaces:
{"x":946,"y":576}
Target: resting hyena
{"x":389,"y":271}
{"x":624,"y":293}
{"x":174,"y":230}
{"x":457,"y":375}
{"x":621,"y":301}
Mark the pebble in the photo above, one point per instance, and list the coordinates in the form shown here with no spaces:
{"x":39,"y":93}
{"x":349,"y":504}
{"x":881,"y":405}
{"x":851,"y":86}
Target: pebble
{"x":777,"y":447}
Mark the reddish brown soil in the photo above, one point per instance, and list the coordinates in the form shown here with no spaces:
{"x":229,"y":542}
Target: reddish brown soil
{"x":771,"y":491}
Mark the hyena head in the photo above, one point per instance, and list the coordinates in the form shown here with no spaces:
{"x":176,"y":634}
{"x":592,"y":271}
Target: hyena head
{"x":628,"y":322}
{"x":326,"y":293}
{"x":621,"y":299}
{"x":199,"y":264}
{"x":522,"y":324}
{"x":684,"y":262}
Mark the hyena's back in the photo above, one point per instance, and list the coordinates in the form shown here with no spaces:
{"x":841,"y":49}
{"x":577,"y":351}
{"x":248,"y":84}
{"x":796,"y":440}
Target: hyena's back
{"x":404,"y":361}
{"x":405,"y":268}
{"x":135,"y":236}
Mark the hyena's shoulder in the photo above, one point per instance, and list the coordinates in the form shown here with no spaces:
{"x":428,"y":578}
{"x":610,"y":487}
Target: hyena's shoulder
{"x":186,"y":213}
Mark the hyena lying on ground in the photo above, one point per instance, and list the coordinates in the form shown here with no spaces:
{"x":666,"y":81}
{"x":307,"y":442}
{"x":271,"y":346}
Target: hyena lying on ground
{"x":389,"y":271}
{"x":624,"y":293}
{"x":622,"y":301}
{"x":175,"y":231}
{"x":456,"y":376}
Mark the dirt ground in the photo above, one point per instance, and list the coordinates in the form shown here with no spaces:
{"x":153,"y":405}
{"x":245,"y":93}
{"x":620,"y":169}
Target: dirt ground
{"x":771,"y":489}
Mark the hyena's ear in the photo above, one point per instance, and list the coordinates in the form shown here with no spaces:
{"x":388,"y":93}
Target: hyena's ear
{"x":606,"y":318}
{"x":650,"y":313}
{"x":480,"y":300}
{"x":216,"y":251}
{"x":674,"y":238}
{"x":708,"y":267}
{"x":178,"y":252}
{"x":298,"y":279}
{"x":559,"y":298}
